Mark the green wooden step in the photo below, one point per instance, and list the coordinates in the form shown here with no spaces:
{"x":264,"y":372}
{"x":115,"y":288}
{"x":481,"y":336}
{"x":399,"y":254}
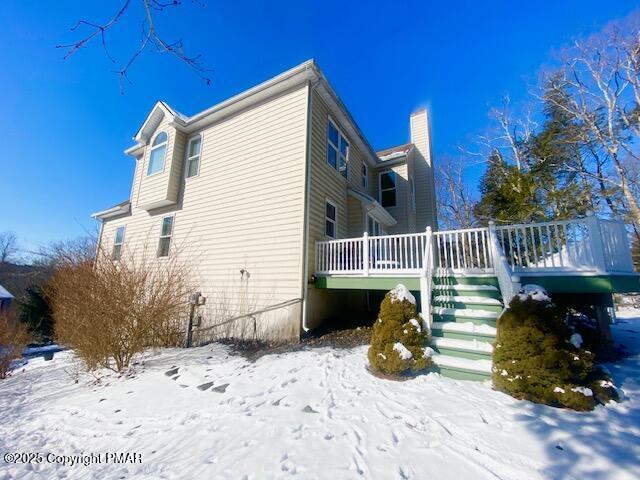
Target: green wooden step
{"x":468,"y":302}
{"x":462,"y":348}
{"x":465,"y":280}
{"x":488,"y":291}
{"x":464,"y":331}
{"x":461,"y":369}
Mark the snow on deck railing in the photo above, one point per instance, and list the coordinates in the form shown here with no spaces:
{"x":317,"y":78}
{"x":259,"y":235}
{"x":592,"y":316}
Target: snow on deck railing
{"x":582,"y":245}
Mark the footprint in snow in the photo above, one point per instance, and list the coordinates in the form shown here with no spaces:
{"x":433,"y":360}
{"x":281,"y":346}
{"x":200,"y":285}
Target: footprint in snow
{"x":172,"y":372}
{"x":220,"y":388}
{"x":308,"y":409}
{"x":205,"y":386}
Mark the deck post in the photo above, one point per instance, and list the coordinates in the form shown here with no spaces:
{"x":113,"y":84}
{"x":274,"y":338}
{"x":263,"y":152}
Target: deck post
{"x":425,"y":280}
{"x":365,"y":254}
{"x":595,"y":241}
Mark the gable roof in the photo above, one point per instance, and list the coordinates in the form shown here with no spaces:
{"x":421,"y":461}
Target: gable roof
{"x":394,"y":152}
{"x":307,"y":72}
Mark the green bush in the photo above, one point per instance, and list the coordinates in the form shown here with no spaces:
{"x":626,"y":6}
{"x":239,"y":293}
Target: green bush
{"x":534,"y":359}
{"x":397,"y":343}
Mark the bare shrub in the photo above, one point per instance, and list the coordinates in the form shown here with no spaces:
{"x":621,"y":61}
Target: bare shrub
{"x":110,"y":311}
{"x":13,"y":338}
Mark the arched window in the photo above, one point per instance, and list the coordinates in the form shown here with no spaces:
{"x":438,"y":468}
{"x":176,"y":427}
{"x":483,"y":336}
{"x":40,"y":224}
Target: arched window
{"x":158,"y":153}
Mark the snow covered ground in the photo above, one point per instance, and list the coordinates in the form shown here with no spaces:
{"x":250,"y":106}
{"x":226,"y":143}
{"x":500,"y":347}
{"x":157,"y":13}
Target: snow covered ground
{"x":309,"y":414}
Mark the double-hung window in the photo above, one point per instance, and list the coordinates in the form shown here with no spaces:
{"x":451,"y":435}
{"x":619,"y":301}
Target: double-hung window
{"x":330,"y":219}
{"x":117,"y":244}
{"x":337,"y":149}
{"x":388,"y":188}
{"x":166,"y":231}
{"x":193,"y":156}
{"x":365,"y":176}
{"x":157,"y":154}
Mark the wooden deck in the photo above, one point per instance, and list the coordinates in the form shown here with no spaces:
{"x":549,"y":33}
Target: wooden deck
{"x":587,"y":255}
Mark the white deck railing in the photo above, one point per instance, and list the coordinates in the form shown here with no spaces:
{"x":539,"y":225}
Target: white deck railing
{"x":583,"y":245}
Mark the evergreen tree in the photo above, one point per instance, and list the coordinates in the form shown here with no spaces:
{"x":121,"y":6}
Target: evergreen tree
{"x":508,"y":195}
{"x":35,"y":312}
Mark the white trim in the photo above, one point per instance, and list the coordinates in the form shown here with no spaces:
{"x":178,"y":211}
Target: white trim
{"x":153,"y":147}
{"x":335,"y":221}
{"x":170,"y":236}
{"x":339,"y":155}
{"x":395,"y":187}
{"x":120,"y":209}
{"x":115,"y":242}
{"x":187,"y":159}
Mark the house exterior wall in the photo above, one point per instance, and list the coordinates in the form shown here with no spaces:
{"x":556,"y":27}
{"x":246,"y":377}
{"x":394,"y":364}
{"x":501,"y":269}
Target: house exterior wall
{"x":244,"y":210}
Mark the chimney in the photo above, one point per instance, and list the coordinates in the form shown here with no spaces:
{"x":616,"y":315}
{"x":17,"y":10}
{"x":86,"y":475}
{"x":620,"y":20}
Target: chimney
{"x":423,"y":171}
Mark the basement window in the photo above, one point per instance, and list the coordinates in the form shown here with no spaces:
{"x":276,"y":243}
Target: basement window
{"x":157,"y":154}
{"x":165,"y":236}
{"x":337,"y":149}
{"x":117,"y":244}
{"x":330,"y":220}
{"x":388,"y":188}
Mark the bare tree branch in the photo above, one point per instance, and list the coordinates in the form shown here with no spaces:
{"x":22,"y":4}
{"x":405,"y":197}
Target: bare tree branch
{"x":150,"y":36}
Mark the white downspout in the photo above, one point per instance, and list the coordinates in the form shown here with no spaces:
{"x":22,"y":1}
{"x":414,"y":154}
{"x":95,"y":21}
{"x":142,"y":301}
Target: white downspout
{"x":305,"y":236}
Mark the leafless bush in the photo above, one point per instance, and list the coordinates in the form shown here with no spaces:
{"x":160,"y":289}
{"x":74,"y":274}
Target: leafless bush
{"x":111,"y":311}
{"x":13,"y":338}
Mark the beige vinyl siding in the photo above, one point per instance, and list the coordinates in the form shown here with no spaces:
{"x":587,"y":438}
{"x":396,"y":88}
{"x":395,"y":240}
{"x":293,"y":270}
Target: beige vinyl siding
{"x":424,"y":177}
{"x":411,"y":205}
{"x":243,"y":211}
{"x":162,"y":187}
{"x":355,"y":218}
{"x":325,"y":182}
{"x":400,"y":211}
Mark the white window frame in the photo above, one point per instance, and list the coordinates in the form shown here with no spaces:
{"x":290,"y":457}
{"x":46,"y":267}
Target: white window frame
{"x":327,"y":219}
{"x":188,"y":159}
{"x":395,"y":187}
{"x":365,"y":176}
{"x":164,"y":144}
{"x":170,"y":236}
{"x":339,"y":155}
{"x":116,"y":244}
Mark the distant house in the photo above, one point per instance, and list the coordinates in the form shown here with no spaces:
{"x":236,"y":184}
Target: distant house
{"x":5,"y":298}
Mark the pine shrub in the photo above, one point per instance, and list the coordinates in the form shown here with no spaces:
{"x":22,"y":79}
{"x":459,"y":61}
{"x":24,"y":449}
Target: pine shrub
{"x":397,"y":343}
{"x":535,"y":360}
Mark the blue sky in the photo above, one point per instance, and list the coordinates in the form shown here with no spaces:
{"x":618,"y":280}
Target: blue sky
{"x":65,"y":122}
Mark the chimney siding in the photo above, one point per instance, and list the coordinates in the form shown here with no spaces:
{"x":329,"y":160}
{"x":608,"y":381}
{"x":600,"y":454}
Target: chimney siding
{"x":423,"y":171}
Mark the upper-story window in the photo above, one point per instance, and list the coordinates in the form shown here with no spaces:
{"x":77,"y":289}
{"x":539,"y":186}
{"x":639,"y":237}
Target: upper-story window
{"x":330,"y":219}
{"x":388,"y":181}
{"x":158,"y":154}
{"x":365,"y":176}
{"x":193,"y":156}
{"x":337,"y":149}
{"x":166,"y":232}
{"x":117,"y":244}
